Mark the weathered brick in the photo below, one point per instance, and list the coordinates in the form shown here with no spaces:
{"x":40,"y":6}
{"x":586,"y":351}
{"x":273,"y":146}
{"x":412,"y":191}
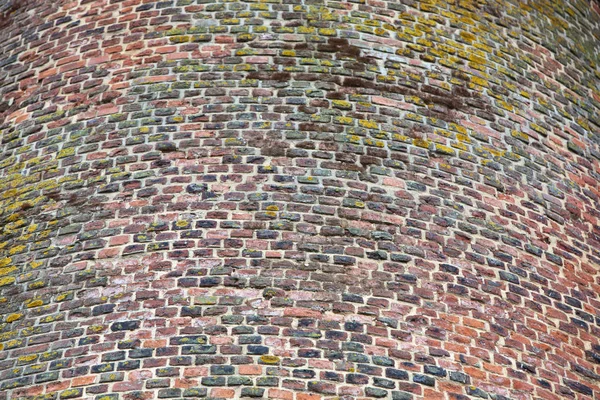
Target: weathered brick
{"x":263,"y":199}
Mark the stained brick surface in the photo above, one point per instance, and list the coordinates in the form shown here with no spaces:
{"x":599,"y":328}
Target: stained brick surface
{"x":299,"y":199}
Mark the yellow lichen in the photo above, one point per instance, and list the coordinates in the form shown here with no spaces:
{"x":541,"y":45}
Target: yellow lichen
{"x":269,"y":359}
{"x":35,"y":303}
{"x":14,"y":317}
{"x":421,"y":143}
{"x":7,"y":280}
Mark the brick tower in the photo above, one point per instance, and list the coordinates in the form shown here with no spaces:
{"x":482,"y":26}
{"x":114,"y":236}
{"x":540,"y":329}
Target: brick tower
{"x":299,"y":199}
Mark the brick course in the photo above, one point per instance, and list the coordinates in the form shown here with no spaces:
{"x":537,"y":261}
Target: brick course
{"x":299,"y":200}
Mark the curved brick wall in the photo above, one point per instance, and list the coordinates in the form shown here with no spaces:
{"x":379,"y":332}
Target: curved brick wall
{"x":299,"y":199}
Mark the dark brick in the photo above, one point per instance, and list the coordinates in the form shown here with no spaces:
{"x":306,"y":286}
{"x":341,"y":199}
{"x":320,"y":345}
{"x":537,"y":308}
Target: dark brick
{"x":424,"y":380}
{"x":125,"y":326}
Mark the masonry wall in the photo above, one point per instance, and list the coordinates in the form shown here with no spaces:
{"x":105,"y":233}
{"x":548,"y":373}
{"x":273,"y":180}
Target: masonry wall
{"x":299,"y":199}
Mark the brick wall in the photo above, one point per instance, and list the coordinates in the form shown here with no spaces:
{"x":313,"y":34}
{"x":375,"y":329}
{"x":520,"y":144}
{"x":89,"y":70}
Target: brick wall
{"x":299,"y":199}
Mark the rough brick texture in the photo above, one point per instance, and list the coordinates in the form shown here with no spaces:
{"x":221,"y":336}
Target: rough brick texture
{"x":299,"y":199}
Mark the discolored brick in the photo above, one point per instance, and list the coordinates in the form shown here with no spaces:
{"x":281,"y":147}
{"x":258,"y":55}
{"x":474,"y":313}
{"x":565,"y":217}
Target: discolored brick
{"x":299,"y":199}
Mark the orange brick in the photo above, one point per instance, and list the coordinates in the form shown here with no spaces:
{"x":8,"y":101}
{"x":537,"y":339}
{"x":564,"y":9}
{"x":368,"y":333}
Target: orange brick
{"x":250,"y":369}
